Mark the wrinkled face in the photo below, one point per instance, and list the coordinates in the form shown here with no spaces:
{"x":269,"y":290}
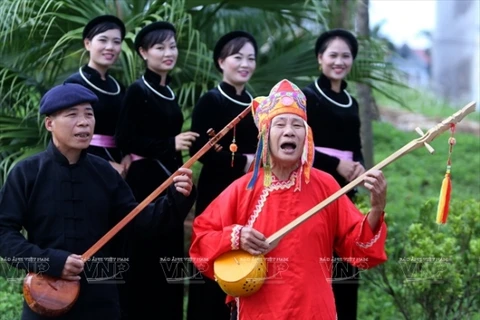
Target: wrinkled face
{"x":239,"y":67}
{"x":72,"y":128}
{"x":337,"y":60}
{"x":104,"y":48}
{"x":162,"y":57}
{"x":287,"y":139}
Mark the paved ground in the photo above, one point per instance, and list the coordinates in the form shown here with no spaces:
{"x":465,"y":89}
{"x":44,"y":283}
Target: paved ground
{"x":407,"y":121}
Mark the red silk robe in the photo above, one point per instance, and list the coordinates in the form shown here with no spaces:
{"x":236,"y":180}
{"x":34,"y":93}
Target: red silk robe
{"x":299,"y":268}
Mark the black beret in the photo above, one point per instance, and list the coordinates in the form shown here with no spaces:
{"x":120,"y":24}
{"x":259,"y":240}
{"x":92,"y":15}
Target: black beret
{"x":342,"y":33}
{"x":159,"y":25}
{"x":225,"y":39}
{"x":100,"y":19}
{"x":65,"y":96}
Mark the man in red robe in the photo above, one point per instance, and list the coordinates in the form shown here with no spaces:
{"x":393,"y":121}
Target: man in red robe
{"x":298,"y":284}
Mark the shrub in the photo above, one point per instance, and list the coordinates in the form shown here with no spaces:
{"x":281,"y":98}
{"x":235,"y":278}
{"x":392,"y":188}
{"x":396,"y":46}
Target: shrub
{"x":433,"y":271}
{"x":11,"y":297}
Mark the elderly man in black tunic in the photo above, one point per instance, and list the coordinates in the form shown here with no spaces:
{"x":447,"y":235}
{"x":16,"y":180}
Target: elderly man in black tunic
{"x":66,"y":199}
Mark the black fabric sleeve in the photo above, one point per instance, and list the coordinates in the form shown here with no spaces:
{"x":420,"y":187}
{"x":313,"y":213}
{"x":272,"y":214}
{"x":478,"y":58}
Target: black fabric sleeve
{"x":161,"y":214}
{"x":325,"y":162}
{"x":14,"y":247}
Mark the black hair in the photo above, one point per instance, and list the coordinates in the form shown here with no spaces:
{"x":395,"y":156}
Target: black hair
{"x":327,"y":42}
{"x":233,"y":47}
{"x":102,"y":27}
{"x":156,"y":36}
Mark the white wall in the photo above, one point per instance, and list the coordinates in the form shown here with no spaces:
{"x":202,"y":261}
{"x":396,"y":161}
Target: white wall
{"x":456,"y":51}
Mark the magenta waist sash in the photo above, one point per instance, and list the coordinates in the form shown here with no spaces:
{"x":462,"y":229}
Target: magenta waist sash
{"x":136,"y":157}
{"x":340,"y":154}
{"x":100,"y":140}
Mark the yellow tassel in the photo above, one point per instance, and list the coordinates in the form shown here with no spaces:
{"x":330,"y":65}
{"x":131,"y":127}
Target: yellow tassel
{"x":267,"y":178}
{"x":444,"y":199}
{"x":446,"y":190}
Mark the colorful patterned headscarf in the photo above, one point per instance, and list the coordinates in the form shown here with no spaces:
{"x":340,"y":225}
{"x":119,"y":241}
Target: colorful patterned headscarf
{"x":285,"y":97}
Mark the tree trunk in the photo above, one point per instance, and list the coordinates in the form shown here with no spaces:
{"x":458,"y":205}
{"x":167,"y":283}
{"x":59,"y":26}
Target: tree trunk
{"x":342,"y":14}
{"x":118,"y":6}
{"x":367,"y":105}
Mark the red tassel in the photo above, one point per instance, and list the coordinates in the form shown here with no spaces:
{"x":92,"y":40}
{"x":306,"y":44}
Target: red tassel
{"x":446,"y":190}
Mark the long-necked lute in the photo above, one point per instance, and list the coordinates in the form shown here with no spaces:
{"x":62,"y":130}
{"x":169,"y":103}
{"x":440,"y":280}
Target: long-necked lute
{"x":50,"y":296}
{"x":241,"y":274}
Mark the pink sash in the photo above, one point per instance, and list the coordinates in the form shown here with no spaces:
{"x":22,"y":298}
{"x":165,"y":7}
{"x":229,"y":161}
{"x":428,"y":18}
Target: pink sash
{"x":100,"y":140}
{"x":136,"y":157}
{"x":340,"y":154}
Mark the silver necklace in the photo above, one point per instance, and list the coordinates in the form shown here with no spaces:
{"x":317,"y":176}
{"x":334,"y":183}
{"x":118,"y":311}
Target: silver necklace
{"x":349,"y":104}
{"x":246,"y":104}
{"x":97,"y":88}
{"x":158,"y":93}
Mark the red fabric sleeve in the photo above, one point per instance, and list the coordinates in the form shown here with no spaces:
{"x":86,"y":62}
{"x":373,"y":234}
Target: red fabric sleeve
{"x":215,"y":232}
{"x":356,"y":242}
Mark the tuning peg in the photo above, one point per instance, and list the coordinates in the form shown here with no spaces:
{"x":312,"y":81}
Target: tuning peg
{"x":429,"y":147}
{"x":211,"y":133}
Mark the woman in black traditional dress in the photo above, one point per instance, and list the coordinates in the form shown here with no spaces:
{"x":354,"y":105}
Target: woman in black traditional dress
{"x":149,"y":129}
{"x":235,"y":57}
{"x":334,"y":118}
{"x":103,"y":37}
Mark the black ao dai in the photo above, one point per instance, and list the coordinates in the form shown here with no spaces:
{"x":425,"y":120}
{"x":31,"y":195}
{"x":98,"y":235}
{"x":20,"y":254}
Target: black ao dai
{"x":110,"y":95}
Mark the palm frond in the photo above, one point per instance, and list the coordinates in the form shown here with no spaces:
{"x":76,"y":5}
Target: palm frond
{"x":42,"y":45}
{"x":372,"y":69}
{"x":20,"y":137}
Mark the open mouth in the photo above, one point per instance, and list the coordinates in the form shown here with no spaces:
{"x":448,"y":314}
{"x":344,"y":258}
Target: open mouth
{"x":288,"y":146}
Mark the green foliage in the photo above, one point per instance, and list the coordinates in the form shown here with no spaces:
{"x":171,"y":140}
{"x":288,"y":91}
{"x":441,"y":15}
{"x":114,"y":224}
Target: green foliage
{"x":42,"y":45}
{"x":20,"y":138}
{"x":10,"y":292}
{"x":434,"y":273}
{"x":418,"y":175}
{"x":10,"y":304}
{"x":413,"y":180}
